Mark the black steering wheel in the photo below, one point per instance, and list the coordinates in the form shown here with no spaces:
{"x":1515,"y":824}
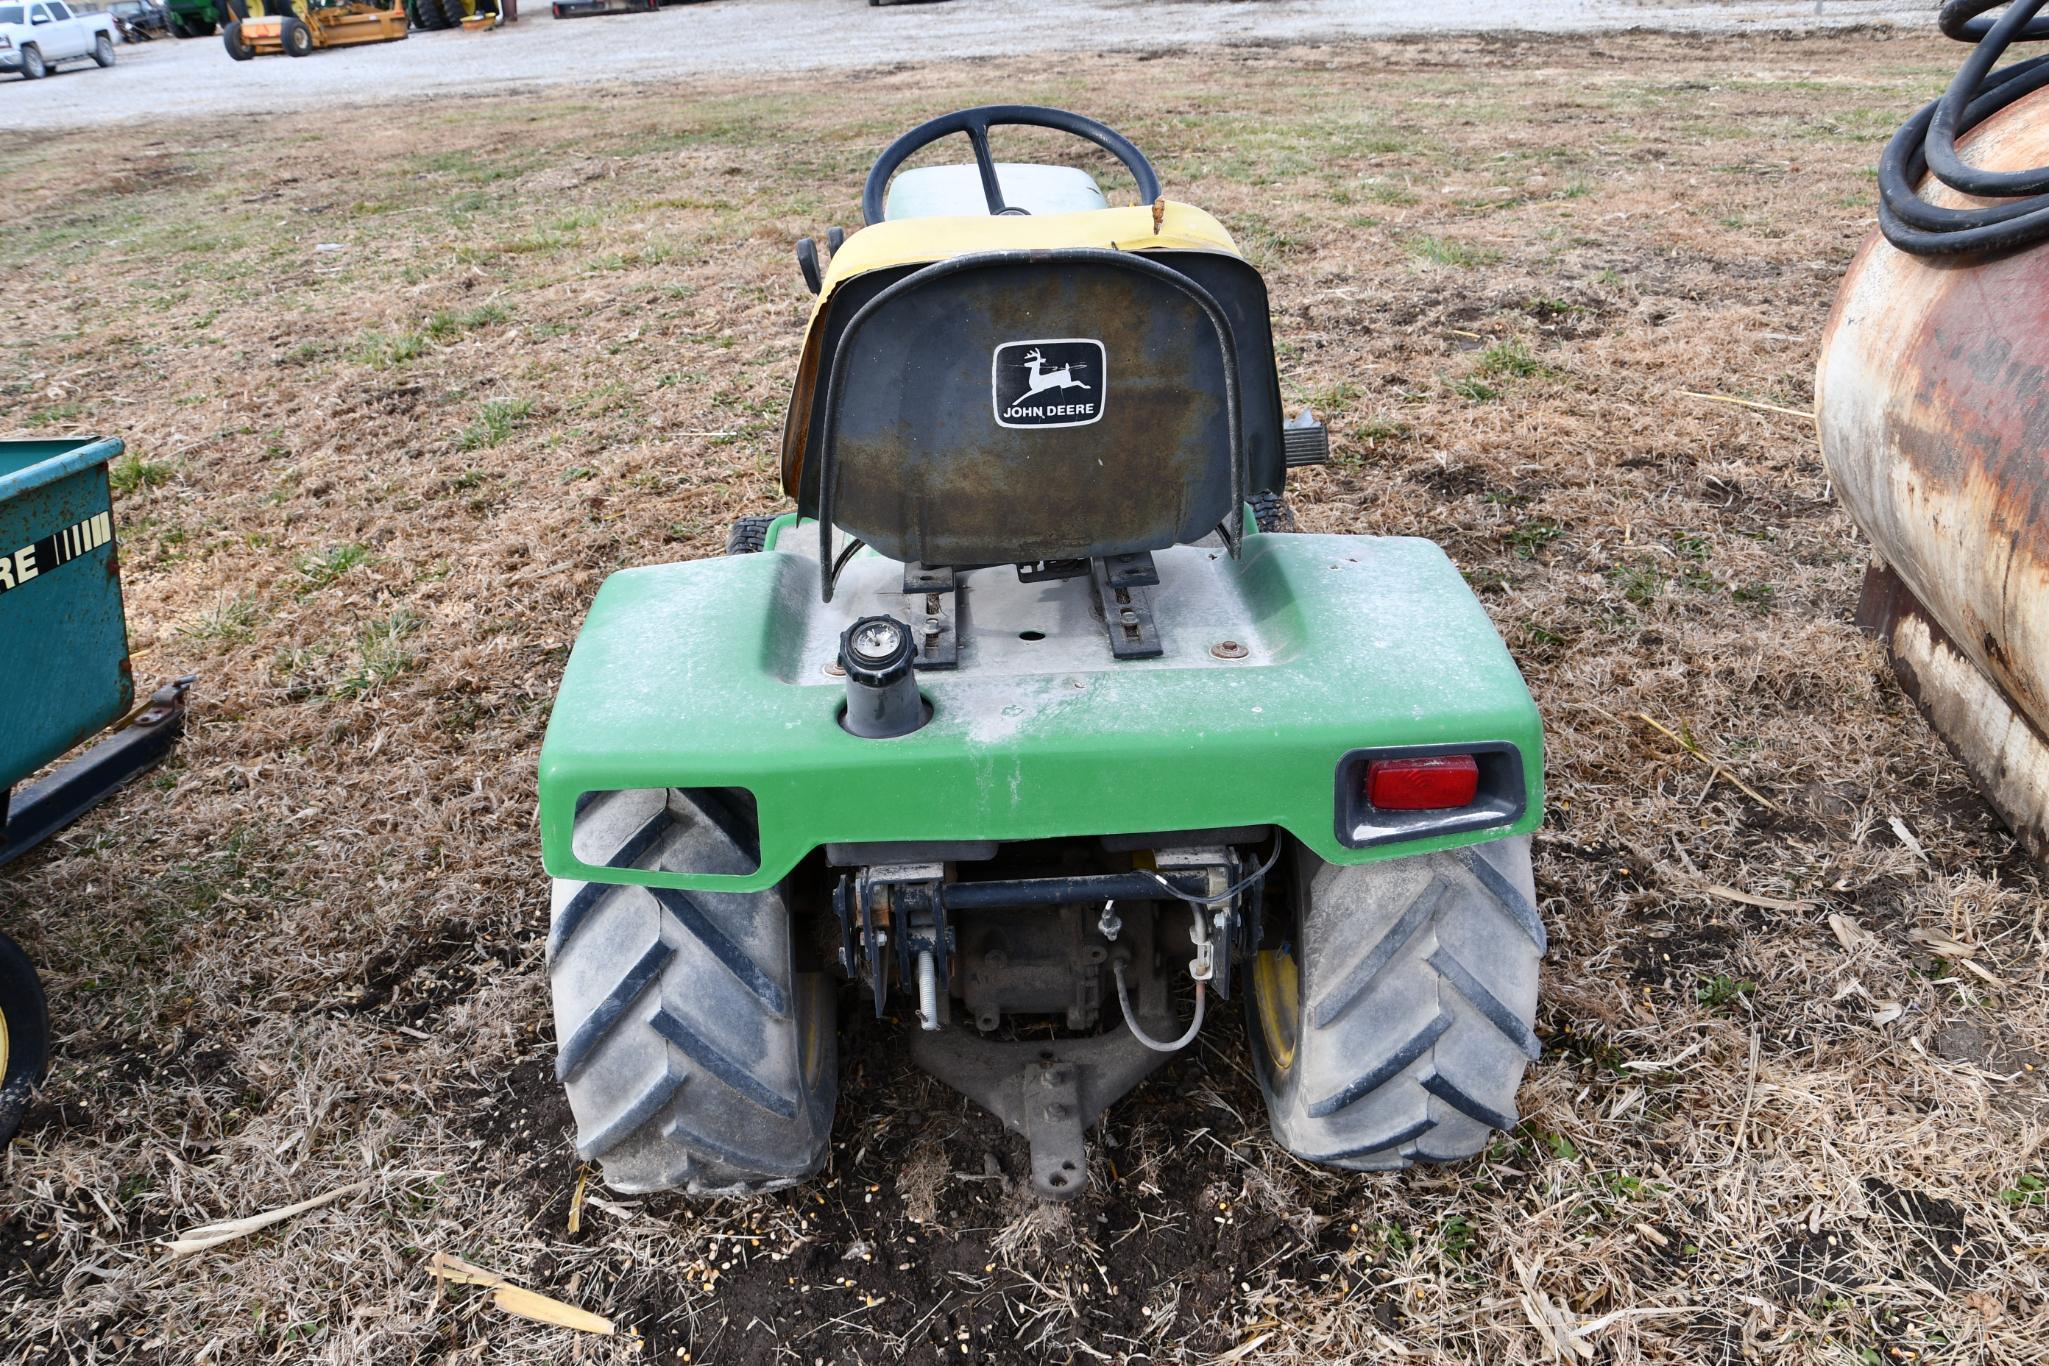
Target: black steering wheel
{"x":976,"y":123}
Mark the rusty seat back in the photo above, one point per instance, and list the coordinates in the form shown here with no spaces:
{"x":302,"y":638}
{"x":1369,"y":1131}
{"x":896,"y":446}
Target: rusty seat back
{"x":1011,"y":407}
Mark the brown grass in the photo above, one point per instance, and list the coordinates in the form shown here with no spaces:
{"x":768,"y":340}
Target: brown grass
{"x":378,"y":486}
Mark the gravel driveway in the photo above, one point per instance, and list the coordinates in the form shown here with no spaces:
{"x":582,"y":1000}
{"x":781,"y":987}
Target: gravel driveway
{"x":168,"y":78}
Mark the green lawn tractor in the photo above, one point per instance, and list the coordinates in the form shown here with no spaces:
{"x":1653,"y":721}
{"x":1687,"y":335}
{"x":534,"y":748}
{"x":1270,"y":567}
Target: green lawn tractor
{"x":1035,"y":718}
{"x":196,"y":18}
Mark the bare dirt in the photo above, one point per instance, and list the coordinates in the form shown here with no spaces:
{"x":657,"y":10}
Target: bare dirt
{"x":400,"y":394}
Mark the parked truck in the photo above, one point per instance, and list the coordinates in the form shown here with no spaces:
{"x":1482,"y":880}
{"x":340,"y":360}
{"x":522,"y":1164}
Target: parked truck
{"x":36,"y":38}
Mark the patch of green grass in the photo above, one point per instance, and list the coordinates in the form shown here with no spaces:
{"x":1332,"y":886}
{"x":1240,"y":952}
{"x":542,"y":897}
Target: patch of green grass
{"x":228,"y":622}
{"x":496,"y":420}
{"x":1387,"y":192}
{"x":1640,"y":583}
{"x":1529,"y":537}
{"x":380,"y":653}
{"x":1446,"y":251}
{"x":382,"y":350}
{"x":449,"y":324}
{"x":1757,"y":595}
{"x":1721,"y":989}
{"x":1476,"y":389}
{"x":131,"y":474}
{"x":2028,"y":1190}
{"x":1510,"y":358}
{"x":323,"y":569}
{"x":56,"y":415}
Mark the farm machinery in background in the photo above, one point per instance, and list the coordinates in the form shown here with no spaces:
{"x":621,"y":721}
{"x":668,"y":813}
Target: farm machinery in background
{"x":297,"y":28}
{"x":1934,"y":413}
{"x":327,"y":24}
{"x":61,"y":621}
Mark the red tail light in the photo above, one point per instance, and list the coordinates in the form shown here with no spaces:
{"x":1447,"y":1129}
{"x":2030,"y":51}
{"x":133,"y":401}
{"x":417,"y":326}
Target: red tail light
{"x":1442,"y":782}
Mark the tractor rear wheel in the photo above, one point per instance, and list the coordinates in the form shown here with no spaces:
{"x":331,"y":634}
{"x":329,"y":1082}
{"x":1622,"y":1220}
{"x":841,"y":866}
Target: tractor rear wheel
{"x":203,"y":28}
{"x":1395,"y":1024}
{"x":452,"y":13}
{"x":24,"y":1035}
{"x":748,"y":535}
{"x":697,"y":1053}
{"x":427,"y":15}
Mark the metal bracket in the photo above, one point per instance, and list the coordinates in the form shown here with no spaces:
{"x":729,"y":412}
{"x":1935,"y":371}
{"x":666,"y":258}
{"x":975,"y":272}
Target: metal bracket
{"x":1123,"y":588}
{"x":77,"y":787}
{"x":1049,"y":1092}
{"x":935,"y":614}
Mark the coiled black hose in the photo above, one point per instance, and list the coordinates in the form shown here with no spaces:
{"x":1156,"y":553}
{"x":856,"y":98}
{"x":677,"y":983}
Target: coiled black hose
{"x":1928,"y":141}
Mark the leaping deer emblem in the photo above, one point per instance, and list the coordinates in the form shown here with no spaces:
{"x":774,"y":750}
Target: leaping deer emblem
{"x":1043,"y":379}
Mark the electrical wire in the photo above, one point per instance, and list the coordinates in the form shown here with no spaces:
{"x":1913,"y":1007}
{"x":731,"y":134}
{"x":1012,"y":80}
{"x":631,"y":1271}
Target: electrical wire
{"x":1131,"y":1020}
{"x":1928,"y":142}
{"x":854,"y":547}
{"x":1229,"y":893}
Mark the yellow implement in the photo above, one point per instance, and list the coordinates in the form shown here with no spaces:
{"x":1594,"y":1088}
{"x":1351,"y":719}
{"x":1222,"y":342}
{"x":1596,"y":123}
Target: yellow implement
{"x":297,"y":29}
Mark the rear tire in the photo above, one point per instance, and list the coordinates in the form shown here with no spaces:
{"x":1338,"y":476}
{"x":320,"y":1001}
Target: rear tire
{"x":749,"y":535}
{"x":24,"y":1035}
{"x":451,"y":12}
{"x":231,"y":39}
{"x":103,"y":51}
{"x":1403,"y":1034}
{"x":1271,"y":512}
{"x":695,"y":1052}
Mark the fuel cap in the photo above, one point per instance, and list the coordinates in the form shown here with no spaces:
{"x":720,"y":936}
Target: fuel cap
{"x":876,"y":651}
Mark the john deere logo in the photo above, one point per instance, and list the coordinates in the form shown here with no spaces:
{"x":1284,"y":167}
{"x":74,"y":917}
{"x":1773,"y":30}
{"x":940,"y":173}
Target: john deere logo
{"x":1057,"y":383}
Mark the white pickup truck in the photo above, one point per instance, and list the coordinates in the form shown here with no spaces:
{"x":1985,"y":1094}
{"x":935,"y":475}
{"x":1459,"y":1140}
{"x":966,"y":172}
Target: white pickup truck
{"x":35,"y":35}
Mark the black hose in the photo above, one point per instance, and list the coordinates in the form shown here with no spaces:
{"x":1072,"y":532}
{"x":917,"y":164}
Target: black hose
{"x":1928,"y":142}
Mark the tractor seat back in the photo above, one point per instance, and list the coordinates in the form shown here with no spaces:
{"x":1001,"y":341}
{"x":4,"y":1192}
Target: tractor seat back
{"x":1033,"y":403}
{"x":1014,"y":407}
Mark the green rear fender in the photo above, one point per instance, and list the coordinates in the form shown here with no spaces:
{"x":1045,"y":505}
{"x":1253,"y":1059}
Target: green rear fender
{"x":711,"y":674}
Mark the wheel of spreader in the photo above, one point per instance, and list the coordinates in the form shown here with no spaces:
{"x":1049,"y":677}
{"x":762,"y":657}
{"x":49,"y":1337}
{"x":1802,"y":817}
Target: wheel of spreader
{"x":698,"y":1054}
{"x":294,"y":36}
{"x":24,"y":1035}
{"x":1395,"y":1024}
{"x":748,"y":535}
{"x":232,"y":40}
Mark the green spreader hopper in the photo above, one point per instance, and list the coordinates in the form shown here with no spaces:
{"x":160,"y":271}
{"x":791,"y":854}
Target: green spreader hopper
{"x":64,"y":678}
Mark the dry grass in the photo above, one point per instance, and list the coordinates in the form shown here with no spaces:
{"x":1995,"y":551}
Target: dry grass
{"x":376,"y":487}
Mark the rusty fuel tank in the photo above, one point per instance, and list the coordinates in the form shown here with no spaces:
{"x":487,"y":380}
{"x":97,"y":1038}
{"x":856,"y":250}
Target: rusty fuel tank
{"x":1933,"y":398}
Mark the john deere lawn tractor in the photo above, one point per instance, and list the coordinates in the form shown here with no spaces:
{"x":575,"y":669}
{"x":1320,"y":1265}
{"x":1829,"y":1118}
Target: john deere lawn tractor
{"x":1034,"y":719}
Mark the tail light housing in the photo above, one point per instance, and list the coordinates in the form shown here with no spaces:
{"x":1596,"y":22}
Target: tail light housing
{"x":1417,"y":791}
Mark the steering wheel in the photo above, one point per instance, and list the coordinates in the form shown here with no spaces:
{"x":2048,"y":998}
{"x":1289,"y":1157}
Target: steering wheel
{"x":976,"y":123}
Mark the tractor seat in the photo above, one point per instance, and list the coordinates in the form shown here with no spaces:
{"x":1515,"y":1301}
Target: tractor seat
{"x":1016,"y":390}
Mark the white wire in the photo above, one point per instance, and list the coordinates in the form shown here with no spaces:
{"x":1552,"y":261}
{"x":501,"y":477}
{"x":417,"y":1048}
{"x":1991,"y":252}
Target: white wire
{"x":1131,"y":1021}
